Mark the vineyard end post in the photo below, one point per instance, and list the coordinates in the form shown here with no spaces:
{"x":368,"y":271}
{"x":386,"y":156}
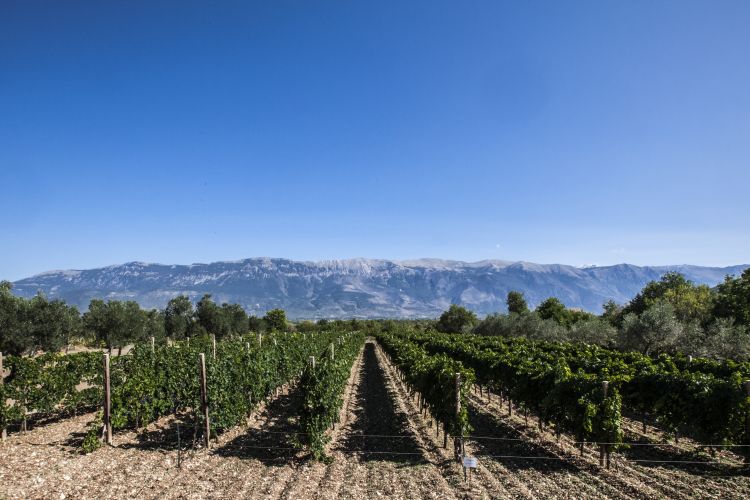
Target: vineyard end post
{"x":213,"y":344}
{"x":153,"y":345}
{"x":332,"y":352}
{"x":179,"y":447}
{"x":204,"y":400}
{"x":604,"y":448}
{"x":460,"y":432}
{"x":107,"y":402}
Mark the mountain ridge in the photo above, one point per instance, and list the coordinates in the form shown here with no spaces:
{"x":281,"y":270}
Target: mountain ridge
{"x":359,"y":287}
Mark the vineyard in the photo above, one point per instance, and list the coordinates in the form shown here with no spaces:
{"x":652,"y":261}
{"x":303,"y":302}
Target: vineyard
{"x":335,"y":414}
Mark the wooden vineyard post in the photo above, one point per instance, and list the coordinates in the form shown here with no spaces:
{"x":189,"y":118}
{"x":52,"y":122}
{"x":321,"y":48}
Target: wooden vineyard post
{"x":3,"y":431}
{"x":459,"y":439}
{"x":179,"y":447}
{"x":604,"y":448}
{"x":153,"y":345}
{"x":107,"y":403}
{"x":746,"y":386}
{"x":332,"y":352}
{"x":260,"y":340}
{"x":204,"y":400}
{"x":311,"y":360}
{"x":213,"y":345}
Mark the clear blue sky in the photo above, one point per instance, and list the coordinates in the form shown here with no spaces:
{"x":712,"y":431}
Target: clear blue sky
{"x":580,"y":132}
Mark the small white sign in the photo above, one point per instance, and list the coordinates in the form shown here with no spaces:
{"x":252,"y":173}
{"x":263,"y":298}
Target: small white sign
{"x":470,"y":462}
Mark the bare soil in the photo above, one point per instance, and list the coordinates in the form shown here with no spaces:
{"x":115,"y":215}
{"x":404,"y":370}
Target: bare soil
{"x":383,"y":447}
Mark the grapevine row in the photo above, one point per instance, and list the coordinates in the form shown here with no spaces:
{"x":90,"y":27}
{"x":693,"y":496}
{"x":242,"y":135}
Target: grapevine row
{"x":434,"y":378}
{"x":575,"y":402}
{"x":702,"y":399}
{"x":48,"y":385}
{"x":157,"y":380}
{"x":322,"y":384}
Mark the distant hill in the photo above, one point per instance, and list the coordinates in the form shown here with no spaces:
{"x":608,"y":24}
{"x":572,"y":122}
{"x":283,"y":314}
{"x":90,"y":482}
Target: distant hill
{"x":363,"y":288}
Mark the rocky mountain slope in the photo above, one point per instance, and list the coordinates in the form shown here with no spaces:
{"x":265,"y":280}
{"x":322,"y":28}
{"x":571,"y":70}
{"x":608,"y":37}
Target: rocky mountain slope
{"x":364,"y":288}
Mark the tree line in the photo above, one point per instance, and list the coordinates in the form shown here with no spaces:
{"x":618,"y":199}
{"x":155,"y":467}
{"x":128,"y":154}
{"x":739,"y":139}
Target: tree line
{"x":28,"y":326}
{"x":670,"y":315}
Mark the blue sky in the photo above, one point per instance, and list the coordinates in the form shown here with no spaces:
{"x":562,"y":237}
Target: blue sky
{"x":580,"y":132}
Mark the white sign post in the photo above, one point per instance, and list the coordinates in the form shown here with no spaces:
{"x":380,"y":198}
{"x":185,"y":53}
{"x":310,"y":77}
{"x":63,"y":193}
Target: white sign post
{"x":469,"y":463}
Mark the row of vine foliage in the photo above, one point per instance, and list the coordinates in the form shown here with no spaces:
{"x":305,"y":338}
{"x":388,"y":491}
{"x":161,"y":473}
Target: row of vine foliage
{"x":574,"y":401}
{"x":322,"y":387}
{"x":434,"y":377}
{"x":698,"y":398}
{"x":149,"y":383}
{"x":49,"y":385}
{"x":245,"y":370}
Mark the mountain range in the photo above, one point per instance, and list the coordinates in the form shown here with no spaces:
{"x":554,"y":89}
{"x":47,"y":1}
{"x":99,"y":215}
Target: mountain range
{"x":362,"y":288}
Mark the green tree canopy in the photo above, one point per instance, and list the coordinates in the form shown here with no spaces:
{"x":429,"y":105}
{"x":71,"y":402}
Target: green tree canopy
{"x":612,"y":312}
{"x":255,"y":324}
{"x":235,"y":319}
{"x":116,"y":323}
{"x":13,"y":311}
{"x":178,"y":317}
{"x":733,"y":299}
{"x":656,"y":330}
{"x":553,"y":309}
{"x":51,"y":324}
{"x":456,"y":319}
{"x":516,"y":303}
{"x":556,"y":311}
{"x":276,"y":320}
{"x":209,"y":316}
{"x":691,"y":302}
